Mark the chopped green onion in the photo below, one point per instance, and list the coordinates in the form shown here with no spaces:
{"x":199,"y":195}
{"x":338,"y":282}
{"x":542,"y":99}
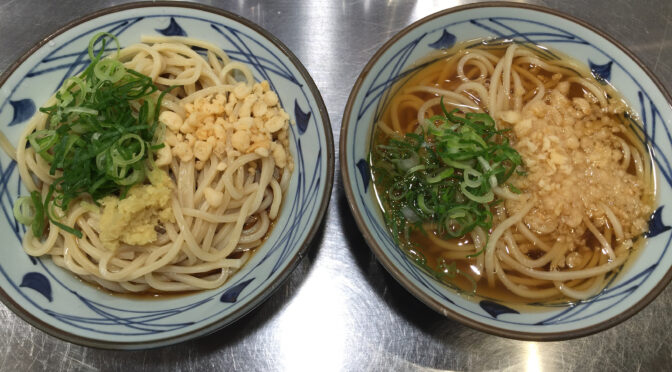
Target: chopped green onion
{"x":42,"y":140}
{"x":416,"y":168}
{"x":109,"y":70}
{"x":514,"y":189}
{"x":80,"y":110}
{"x":24,"y":211}
{"x":123,"y":155}
{"x":37,"y":224}
{"x":97,"y":140}
{"x":485,"y":198}
{"x":472,"y":182}
{"x":422,"y":205}
{"x":442,"y":175}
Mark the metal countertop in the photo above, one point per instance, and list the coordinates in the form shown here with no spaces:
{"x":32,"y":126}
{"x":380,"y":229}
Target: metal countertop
{"x":340,"y":310}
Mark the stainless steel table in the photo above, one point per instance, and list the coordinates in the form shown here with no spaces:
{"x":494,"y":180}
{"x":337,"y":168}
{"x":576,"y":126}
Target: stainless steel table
{"x":340,"y":310}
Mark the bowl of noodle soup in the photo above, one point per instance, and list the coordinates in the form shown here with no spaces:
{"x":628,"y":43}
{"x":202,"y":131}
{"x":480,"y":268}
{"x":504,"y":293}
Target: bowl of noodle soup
{"x":206,"y":158}
{"x":507,"y":164}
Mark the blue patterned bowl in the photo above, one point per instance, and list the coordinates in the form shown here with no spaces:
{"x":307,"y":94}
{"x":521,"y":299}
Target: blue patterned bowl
{"x":56,"y":301}
{"x":644,"y":276}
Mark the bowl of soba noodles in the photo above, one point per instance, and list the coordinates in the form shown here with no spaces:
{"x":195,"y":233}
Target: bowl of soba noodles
{"x":508,"y":165}
{"x":164,"y":168}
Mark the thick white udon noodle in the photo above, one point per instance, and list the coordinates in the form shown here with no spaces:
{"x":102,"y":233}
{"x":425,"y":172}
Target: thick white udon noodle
{"x":496,"y":88}
{"x":206,"y":245}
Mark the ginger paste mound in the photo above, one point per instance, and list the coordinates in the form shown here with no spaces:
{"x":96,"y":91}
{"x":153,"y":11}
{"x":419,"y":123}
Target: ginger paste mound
{"x":133,"y":219}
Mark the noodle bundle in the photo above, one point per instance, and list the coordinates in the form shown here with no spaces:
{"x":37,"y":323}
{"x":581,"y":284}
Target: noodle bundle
{"x":558,"y":192}
{"x":216,"y":178}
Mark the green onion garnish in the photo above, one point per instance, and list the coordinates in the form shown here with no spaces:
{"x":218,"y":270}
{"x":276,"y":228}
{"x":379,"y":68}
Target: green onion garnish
{"x":95,"y":137}
{"x":442,"y":176}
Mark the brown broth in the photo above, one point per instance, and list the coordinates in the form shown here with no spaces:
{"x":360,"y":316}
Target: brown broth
{"x":435,"y":75}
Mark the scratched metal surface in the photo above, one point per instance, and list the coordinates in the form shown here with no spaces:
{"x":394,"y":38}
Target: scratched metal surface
{"x":340,"y":310}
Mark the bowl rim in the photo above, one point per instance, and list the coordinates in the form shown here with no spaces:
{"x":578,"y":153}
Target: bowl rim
{"x":397,"y":273}
{"x":265,"y":293}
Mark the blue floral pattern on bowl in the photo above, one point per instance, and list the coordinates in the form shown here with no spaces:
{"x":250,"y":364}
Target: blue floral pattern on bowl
{"x":59,"y":303}
{"x":628,"y":290}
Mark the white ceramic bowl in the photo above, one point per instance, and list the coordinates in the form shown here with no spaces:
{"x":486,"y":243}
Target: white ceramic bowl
{"x":57,"y":302}
{"x":645,"y":274}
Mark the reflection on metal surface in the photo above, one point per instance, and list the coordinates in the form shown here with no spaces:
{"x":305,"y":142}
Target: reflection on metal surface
{"x":312,"y":331}
{"x":427,"y":7}
{"x":533,"y":362}
{"x":313,"y":26}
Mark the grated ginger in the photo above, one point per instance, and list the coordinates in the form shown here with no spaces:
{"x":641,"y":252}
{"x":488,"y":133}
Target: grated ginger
{"x":133,"y":220}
